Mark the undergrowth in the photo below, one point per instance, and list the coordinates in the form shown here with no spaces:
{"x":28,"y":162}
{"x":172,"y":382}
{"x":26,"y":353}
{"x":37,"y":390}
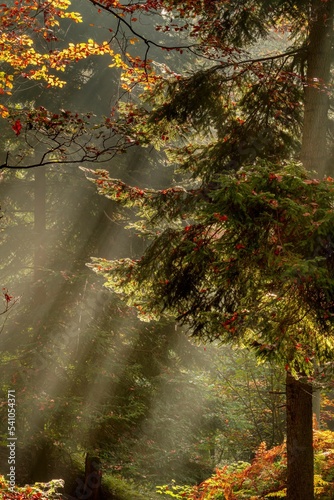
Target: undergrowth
{"x":264,"y":478}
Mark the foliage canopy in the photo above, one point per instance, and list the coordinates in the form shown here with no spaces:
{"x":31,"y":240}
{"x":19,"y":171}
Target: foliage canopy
{"x":254,"y":265}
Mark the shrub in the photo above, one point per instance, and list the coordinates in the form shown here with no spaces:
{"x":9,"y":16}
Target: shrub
{"x":38,"y":491}
{"x":264,"y":478}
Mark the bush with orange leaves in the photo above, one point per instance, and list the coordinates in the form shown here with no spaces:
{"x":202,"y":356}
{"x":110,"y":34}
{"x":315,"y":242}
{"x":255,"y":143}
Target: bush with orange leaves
{"x":264,"y":478}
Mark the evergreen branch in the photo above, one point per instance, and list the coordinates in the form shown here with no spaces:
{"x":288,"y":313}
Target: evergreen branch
{"x":254,"y":60}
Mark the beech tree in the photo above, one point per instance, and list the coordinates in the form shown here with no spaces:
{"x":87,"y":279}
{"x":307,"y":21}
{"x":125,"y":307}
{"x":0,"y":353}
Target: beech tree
{"x":241,"y":251}
{"x":36,"y":54}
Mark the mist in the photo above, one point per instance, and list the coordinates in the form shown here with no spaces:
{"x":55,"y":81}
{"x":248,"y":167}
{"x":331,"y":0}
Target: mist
{"x":90,"y":378}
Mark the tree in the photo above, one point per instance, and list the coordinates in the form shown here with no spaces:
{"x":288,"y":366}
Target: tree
{"x":242,"y":251}
{"x":253,"y":267}
{"x":35,"y":49}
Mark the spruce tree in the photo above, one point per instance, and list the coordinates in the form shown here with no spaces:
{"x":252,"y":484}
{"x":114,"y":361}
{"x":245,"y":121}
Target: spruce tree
{"x":241,"y":251}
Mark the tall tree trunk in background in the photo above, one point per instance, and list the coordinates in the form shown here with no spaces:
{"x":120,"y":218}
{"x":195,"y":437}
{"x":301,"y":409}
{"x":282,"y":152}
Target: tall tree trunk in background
{"x":315,"y":156}
{"x":39,"y":230}
{"x":315,"y":151}
{"x":39,"y":462}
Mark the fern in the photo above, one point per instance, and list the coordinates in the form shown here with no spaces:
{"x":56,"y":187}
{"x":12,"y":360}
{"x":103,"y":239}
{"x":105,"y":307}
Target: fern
{"x":264,"y":478}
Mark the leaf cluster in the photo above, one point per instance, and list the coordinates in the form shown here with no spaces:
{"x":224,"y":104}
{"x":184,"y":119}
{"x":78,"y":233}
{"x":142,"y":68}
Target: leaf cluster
{"x":38,"y":491}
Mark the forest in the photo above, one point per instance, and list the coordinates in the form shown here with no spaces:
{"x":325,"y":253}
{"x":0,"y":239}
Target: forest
{"x":167,"y":249}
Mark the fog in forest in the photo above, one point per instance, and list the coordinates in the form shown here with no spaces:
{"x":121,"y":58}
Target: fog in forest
{"x":90,"y":378}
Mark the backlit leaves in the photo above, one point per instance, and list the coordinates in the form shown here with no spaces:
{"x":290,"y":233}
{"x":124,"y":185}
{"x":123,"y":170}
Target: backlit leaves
{"x":21,"y":24}
{"x":38,"y":491}
{"x":250,"y":268}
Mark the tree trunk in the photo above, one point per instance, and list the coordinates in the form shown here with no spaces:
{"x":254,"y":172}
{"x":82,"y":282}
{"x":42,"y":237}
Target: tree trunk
{"x":315,"y":156}
{"x":315,"y":151}
{"x":316,"y":407}
{"x":38,"y":466}
{"x":39,"y":232}
{"x":300,"y":482}
{"x":93,"y":476}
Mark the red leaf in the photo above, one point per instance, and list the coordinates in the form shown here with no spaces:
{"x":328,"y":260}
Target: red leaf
{"x":220,"y":217}
{"x":17,"y":127}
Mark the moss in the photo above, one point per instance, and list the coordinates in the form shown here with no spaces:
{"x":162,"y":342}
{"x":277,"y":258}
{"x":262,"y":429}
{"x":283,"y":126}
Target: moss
{"x":120,"y":489}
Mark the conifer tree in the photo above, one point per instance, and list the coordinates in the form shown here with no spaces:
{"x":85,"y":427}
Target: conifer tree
{"x":242,"y":250}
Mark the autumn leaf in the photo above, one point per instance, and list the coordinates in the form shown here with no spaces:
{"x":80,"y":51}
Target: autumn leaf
{"x":17,"y":127}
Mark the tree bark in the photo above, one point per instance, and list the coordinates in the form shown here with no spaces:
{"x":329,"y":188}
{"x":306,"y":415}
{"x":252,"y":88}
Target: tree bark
{"x":39,"y":225}
{"x":300,"y":482}
{"x":315,"y":151}
{"x":315,"y":156}
{"x":316,"y":407}
{"x":93,"y":476}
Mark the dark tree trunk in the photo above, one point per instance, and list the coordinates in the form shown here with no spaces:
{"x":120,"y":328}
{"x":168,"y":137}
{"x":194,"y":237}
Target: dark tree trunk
{"x":93,"y":476}
{"x":315,"y":151}
{"x":300,"y":482}
{"x":315,"y":156}
{"x":38,"y":466}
